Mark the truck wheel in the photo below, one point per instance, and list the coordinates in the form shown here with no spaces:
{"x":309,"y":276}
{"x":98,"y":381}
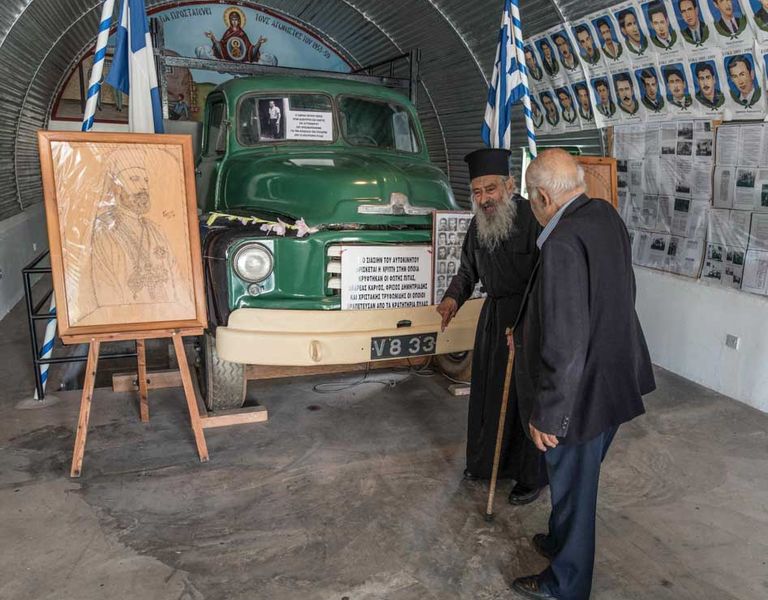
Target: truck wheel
{"x":457,"y":365}
{"x":223,"y":382}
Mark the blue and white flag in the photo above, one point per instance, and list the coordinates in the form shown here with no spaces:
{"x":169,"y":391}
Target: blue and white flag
{"x":509,"y":83}
{"x":133,"y":69}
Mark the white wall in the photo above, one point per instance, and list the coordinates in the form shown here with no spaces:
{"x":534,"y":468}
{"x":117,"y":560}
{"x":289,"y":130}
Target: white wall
{"x":22,"y":237}
{"x":685,"y":323}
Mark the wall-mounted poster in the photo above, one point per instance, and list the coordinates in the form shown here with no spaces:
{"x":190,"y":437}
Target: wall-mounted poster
{"x":694,"y":22}
{"x":535,"y":72}
{"x":584,"y":102}
{"x":536,"y":114}
{"x":608,"y":38}
{"x":123,"y":231}
{"x":744,"y":84}
{"x":708,"y":81}
{"x":664,"y":36}
{"x":588,"y":51}
{"x":730,"y":22}
{"x":565,"y":52}
{"x":678,"y":89}
{"x":567,"y":108}
{"x":605,"y":105}
{"x":757,"y":12}
{"x":449,"y":228}
{"x":551,"y":112}
{"x":547,"y":56}
{"x":651,"y":90}
{"x":632,"y":28}
{"x":627,"y":101}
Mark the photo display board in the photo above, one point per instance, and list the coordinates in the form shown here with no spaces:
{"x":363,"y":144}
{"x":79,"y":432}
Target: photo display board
{"x":449,"y":228}
{"x":695,"y":200}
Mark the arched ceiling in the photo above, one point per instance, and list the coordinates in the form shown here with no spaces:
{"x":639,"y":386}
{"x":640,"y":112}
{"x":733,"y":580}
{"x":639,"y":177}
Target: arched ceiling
{"x":40,"y":40}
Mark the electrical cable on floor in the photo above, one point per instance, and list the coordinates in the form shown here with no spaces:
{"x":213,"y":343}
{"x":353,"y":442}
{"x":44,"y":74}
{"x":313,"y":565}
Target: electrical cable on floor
{"x":339,"y":386}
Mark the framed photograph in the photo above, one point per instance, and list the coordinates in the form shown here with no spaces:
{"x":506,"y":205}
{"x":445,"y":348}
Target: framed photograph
{"x":449,"y":228}
{"x":123,"y":232}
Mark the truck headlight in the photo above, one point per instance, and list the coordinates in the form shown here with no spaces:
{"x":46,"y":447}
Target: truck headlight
{"x":253,"y":263}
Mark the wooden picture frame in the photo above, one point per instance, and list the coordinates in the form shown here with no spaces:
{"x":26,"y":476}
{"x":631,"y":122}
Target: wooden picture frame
{"x":601,"y":178}
{"x":123,"y":232}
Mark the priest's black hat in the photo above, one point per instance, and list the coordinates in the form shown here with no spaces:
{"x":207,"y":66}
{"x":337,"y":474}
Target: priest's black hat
{"x":488,"y":161}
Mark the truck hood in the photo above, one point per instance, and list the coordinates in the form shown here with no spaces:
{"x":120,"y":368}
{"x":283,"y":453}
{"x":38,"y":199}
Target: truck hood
{"x":327,"y":187}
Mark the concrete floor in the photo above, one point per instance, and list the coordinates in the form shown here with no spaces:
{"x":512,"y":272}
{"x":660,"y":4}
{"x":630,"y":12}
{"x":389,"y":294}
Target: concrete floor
{"x":358,"y":495}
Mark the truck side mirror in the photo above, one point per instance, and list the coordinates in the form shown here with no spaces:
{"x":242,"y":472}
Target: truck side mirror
{"x":221,"y":138}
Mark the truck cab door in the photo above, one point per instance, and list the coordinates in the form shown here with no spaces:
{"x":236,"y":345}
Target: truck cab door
{"x":214,"y":148}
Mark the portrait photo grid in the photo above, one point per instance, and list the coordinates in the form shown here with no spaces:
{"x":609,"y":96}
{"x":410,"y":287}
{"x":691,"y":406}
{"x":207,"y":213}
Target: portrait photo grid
{"x":655,"y":60}
{"x":449,"y":228}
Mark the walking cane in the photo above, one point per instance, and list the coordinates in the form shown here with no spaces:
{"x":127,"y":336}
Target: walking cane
{"x":500,"y":432}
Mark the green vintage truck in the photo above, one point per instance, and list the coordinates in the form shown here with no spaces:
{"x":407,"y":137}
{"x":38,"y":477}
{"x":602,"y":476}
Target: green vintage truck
{"x":291,"y":171}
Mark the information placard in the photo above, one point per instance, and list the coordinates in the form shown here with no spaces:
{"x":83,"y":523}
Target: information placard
{"x":375,"y":277}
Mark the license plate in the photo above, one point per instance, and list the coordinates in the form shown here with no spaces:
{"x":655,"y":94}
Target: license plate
{"x":403,"y":346}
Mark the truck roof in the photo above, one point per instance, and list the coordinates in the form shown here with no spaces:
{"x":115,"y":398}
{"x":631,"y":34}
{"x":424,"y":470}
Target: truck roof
{"x":288,"y":83}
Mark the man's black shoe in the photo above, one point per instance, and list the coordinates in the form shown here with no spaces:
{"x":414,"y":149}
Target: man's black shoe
{"x":521,"y":494}
{"x":539,"y":542}
{"x":528,"y":587}
{"x":470,"y":476}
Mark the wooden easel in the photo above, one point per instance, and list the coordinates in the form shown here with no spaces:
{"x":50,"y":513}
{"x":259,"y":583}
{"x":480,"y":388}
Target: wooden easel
{"x":90,"y":379}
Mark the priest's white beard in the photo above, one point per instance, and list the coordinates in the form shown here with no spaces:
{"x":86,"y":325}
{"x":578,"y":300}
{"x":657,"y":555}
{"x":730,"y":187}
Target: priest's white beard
{"x":493,"y":228}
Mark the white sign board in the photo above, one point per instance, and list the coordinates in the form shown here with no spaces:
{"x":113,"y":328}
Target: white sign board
{"x":309,"y":125}
{"x":385,"y":277}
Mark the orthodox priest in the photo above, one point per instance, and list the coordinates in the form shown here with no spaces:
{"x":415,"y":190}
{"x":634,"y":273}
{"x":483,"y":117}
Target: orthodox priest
{"x":500,"y":251}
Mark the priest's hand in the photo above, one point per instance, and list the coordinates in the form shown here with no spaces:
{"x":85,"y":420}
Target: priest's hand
{"x":447,"y":309}
{"x":542,"y":440}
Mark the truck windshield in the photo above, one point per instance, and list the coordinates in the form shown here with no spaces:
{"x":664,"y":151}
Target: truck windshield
{"x":278,"y":118}
{"x":367,"y":122}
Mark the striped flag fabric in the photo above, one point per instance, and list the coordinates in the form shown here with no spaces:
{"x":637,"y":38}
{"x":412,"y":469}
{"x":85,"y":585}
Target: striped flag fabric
{"x":133,"y":69}
{"x":509,"y":83}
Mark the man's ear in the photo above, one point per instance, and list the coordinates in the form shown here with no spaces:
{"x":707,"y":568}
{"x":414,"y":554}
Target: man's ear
{"x":509,"y":185}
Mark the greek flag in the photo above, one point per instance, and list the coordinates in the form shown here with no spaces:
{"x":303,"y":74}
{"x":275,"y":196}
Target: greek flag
{"x":133,"y":69}
{"x":509,"y":83}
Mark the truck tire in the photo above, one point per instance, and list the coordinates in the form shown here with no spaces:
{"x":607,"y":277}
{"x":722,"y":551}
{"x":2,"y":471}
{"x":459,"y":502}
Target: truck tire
{"x":456,"y":366}
{"x":223,"y":382}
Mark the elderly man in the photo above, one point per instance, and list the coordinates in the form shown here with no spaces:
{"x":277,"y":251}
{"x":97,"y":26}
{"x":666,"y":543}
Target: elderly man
{"x":500,"y":250}
{"x":581,"y":364}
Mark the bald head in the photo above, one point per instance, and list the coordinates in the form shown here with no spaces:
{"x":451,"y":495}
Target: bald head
{"x":552,"y":179}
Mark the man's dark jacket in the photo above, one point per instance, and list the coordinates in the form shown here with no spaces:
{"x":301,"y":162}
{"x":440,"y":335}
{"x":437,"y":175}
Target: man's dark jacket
{"x":581,"y":363}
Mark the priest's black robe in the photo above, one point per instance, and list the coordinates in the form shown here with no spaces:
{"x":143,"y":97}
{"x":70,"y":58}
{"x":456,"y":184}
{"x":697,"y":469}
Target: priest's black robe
{"x":504,"y":273}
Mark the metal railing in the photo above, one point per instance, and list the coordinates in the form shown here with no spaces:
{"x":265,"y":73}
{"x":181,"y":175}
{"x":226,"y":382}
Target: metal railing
{"x":34,"y":315}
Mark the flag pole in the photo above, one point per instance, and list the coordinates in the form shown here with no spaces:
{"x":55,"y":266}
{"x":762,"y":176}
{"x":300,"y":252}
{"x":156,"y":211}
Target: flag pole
{"x":100,"y":54}
{"x":520,"y":57}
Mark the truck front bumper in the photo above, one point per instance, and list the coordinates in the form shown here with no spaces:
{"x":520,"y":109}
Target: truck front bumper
{"x":258,"y":336}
